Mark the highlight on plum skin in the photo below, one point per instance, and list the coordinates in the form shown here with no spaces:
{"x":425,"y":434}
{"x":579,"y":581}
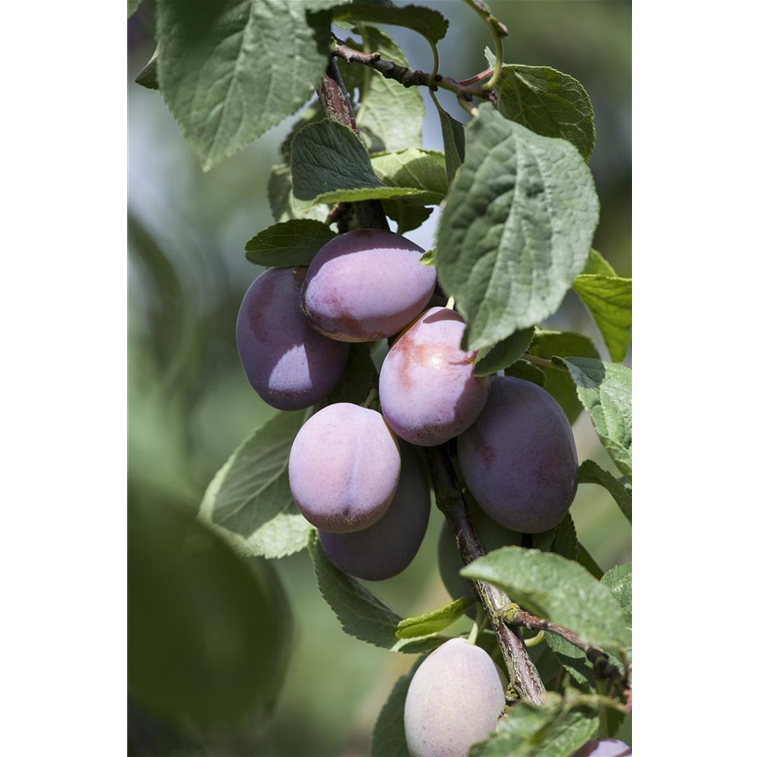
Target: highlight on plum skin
{"x":519,"y":457}
{"x":366,"y":285}
{"x":388,"y":547}
{"x":289,"y":365}
{"x":453,"y":702}
{"x":344,"y":468}
{"x":427,"y":384}
{"x":604,"y":748}
{"x":491,"y":535}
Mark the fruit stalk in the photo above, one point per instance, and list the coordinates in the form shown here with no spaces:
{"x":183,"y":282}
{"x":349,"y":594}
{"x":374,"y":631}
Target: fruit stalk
{"x":334,"y":100}
{"x":522,"y":672}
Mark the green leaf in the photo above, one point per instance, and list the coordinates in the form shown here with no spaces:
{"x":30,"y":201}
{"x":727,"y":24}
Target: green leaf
{"x":549,"y":103}
{"x":565,"y":543}
{"x":231,"y":69}
{"x":555,"y":729}
{"x":552,"y":587}
{"x":408,"y":214}
{"x":609,"y":300}
{"x":427,"y":22}
{"x":389,"y":115}
{"x":543,"y":540}
{"x":428,"y":258}
{"x":598,"y":265}
{"x":432,"y":622}
{"x":199,"y":613}
{"x":131,"y":6}
{"x":359,"y":378}
{"x":311,"y":115}
{"x":619,"y":582}
{"x":527,"y":372}
{"x":331,"y":164}
{"x":249,"y":501}
{"x":585,"y":559}
{"x":360,"y":612}
{"x":283,"y":204}
{"x":148,"y":77}
{"x":388,"y":737}
{"x":591,"y":473}
{"x":418,"y":169}
{"x":292,"y":243}
{"x":548,"y":344}
{"x":503,"y":354}
{"x":573,"y":660}
{"x":605,"y":390}
{"x":453,"y":139}
{"x":516,"y":229}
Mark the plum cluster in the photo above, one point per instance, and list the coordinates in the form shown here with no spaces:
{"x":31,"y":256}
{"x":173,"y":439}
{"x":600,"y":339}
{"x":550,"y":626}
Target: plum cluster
{"x":354,"y":472}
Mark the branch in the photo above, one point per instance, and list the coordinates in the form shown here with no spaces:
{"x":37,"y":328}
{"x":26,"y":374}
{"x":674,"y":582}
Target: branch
{"x":408,"y":77}
{"x":599,"y":659}
{"x":522,"y":672}
{"x":334,"y":100}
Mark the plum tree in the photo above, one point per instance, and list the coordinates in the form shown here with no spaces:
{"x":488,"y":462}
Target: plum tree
{"x":290,"y":365}
{"x":491,"y":535}
{"x":366,"y":285}
{"x":519,"y":457}
{"x":427,"y":384}
{"x":388,"y":547}
{"x":604,"y":748}
{"x":344,"y":467}
{"x":453,"y":701}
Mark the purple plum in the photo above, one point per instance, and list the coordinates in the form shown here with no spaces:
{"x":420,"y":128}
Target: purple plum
{"x":604,"y":748}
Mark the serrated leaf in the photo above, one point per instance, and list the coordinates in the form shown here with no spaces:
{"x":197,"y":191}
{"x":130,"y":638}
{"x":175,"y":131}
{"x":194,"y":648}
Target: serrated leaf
{"x":516,"y":229}
{"x":565,"y":543}
{"x":311,"y":115}
{"x":527,"y":372}
{"x":543,"y":540}
{"x":619,"y":582}
{"x":555,"y":729}
{"x":585,"y":559}
{"x":555,"y":588}
{"x":609,"y":300}
{"x":573,"y":660}
{"x":249,"y":503}
{"x":549,"y":103}
{"x":360,"y":612}
{"x":427,"y":22}
{"x":231,"y":69}
{"x":382,"y":101}
{"x":292,"y":243}
{"x":388,"y":737}
{"x":591,"y":473}
{"x":359,"y":378}
{"x":148,"y":77}
{"x":598,"y":265}
{"x":282,"y":202}
{"x":331,"y":164}
{"x":503,"y":354}
{"x":548,"y":344}
{"x":418,"y":169}
{"x":605,"y":390}
{"x":432,"y":622}
{"x":453,"y":140}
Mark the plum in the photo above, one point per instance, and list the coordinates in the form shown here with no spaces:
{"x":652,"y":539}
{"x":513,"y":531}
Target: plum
{"x":519,"y":457}
{"x":604,"y":748}
{"x":289,"y":364}
{"x":453,"y":702}
{"x":388,"y":547}
{"x":491,"y":535}
{"x":366,"y":285}
{"x":344,"y":468}
{"x":427,"y":386}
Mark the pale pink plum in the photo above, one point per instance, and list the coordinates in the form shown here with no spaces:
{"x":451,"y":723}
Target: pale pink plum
{"x":428,"y":390}
{"x":519,"y":458}
{"x":604,"y":748}
{"x":453,"y":701}
{"x":388,"y":547}
{"x":366,"y":285}
{"x":344,"y":468}
{"x":289,"y":364}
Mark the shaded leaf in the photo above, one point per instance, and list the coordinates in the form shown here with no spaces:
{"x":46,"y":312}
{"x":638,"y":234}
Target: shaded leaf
{"x":453,"y":140}
{"x":292,"y":243}
{"x":427,"y":22}
{"x":503,"y":354}
{"x":591,"y":473}
{"x":359,"y":378}
{"x":565,"y":543}
{"x":148,"y":77}
{"x":282,"y":202}
{"x":526,"y":371}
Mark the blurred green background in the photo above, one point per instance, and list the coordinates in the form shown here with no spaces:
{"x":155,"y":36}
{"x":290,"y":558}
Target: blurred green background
{"x":190,"y":404}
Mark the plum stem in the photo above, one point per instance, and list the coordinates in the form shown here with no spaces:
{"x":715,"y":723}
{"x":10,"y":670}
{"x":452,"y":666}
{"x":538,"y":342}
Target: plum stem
{"x":334,"y":100}
{"x":522,"y":672}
